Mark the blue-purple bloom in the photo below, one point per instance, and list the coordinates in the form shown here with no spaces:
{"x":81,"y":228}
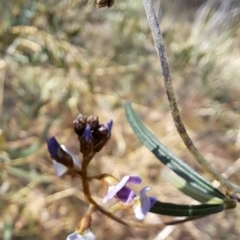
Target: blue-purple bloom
{"x":87,"y":235}
{"x":121,"y":191}
{"x":143,"y":203}
{"x":53,"y":148}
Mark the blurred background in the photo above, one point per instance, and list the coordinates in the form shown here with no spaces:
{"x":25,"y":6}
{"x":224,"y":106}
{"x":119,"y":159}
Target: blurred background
{"x":59,"y":58}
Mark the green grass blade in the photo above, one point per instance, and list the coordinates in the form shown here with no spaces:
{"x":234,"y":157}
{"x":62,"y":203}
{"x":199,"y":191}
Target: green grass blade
{"x":167,"y":157}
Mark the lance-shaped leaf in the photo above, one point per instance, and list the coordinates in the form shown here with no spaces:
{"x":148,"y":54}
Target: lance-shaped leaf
{"x":189,"y":189}
{"x":196,"y":181}
{"x":178,"y":210}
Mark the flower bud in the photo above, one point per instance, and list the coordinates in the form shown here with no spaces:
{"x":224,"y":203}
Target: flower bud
{"x":84,"y":223}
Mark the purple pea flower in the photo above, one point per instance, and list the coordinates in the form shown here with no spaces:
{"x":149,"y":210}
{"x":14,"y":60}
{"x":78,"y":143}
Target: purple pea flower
{"x":53,"y":147}
{"x":87,"y":235}
{"x":59,"y":153}
{"x":121,"y":191}
{"x":143,"y":203}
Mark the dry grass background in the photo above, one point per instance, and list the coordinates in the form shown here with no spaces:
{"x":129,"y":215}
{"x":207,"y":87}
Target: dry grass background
{"x":59,"y":58}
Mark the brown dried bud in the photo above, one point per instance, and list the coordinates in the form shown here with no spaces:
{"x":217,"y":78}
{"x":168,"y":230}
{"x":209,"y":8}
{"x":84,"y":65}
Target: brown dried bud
{"x":92,"y":135}
{"x":102,"y":135}
{"x":104,"y":3}
{"x":79,"y":124}
{"x":93,"y":122}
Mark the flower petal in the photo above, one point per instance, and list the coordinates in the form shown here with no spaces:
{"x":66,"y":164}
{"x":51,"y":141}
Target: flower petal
{"x":75,"y":160}
{"x":138,"y":212}
{"x":60,"y":154}
{"x":59,"y":168}
{"x":152,"y":201}
{"x":134,"y":180}
{"x":53,"y":147}
{"x":143,"y":204}
{"x":87,"y":135}
{"x":87,"y":235}
{"x":108,"y":126}
{"x":125,"y":195}
{"x":114,"y":189}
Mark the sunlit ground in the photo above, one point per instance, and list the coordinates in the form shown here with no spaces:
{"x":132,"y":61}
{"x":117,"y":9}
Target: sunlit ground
{"x":59,"y":58}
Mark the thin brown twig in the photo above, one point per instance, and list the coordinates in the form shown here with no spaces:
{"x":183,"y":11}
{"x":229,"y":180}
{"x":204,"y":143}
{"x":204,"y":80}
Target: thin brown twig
{"x":158,"y":39}
{"x":86,"y":191}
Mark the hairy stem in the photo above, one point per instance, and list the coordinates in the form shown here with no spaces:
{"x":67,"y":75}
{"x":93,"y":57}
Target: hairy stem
{"x":158,"y":39}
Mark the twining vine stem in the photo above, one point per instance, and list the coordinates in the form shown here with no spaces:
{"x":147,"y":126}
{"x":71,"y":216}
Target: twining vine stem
{"x":158,"y":39}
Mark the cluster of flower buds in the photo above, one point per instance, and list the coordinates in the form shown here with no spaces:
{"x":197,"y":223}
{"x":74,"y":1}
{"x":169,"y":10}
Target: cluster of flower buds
{"x":92,"y":137}
{"x":91,"y":134}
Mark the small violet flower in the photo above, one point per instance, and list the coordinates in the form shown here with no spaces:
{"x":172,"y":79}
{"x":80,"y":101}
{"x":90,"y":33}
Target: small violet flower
{"x":53,"y":148}
{"x":87,"y":235}
{"x":143,"y":203}
{"x":121,"y":191}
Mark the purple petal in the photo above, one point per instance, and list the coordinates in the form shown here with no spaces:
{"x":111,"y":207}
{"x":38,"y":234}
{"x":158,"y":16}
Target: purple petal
{"x":53,"y":147}
{"x":109,"y":125}
{"x":108,"y":196}
{"x":112,"y":191}
{"x":116,"y":188}
{"x":125,"y":195}
{"x":152,"y":201}
{"x":87,"y":133}
{"x":134,"y":180}
{"x":145,"y":203}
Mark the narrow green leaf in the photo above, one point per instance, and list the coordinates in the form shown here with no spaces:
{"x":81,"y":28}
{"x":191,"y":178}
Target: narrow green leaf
{"x":168,"y":158}
{"x":189,"y":189}
{"x":177,"y":210}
